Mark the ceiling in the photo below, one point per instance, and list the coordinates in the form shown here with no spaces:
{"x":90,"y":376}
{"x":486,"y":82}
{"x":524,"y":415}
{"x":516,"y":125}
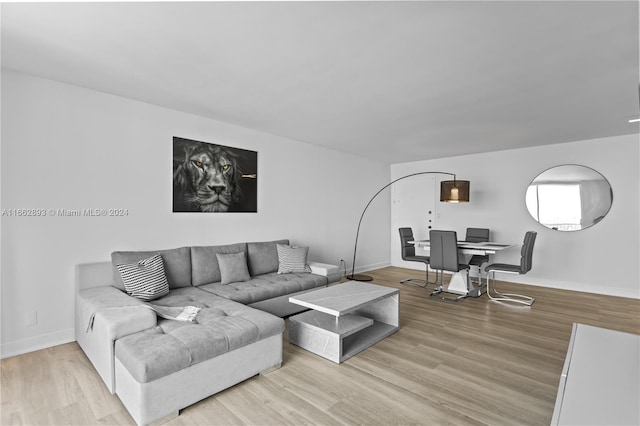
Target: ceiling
{"x":391,"y":81}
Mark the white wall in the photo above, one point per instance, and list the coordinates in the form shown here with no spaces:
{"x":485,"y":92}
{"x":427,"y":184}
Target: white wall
{"x":65,"y":147}
{"x":601,"y":259}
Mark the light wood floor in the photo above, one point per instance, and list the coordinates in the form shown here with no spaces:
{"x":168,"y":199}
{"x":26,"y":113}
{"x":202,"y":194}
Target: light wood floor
{"x":471,"y":363}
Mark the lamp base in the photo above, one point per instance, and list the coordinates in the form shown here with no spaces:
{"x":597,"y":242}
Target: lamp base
{"x":359,"y":277}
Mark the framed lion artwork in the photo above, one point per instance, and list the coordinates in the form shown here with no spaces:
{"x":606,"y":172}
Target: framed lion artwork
{"x":210,"y":178}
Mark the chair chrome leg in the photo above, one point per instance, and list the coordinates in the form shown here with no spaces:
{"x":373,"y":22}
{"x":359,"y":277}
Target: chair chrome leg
{"x":416,"y":281}
{"x":436,"y":293}
{"x":427,"y":276}
{"x":506,"y":297}
{"x":477,"y":280}
{"x":439,"y":288}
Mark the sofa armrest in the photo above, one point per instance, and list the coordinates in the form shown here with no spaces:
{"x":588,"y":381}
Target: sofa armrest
{"x":122,"y":314}
{"x":324,"y":269}
{"x":96,"y":274}
{"x":102,"y":315}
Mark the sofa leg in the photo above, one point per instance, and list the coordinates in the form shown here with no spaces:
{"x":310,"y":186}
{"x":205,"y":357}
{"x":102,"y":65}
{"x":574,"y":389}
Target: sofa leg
{"x":269,"y":370}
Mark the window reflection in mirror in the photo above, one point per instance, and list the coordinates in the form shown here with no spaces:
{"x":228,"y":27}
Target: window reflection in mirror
{"x":569,"y":197}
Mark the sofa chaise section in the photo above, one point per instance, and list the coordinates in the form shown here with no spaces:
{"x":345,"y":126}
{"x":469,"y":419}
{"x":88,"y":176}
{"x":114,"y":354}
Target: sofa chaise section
{"x":177,"y":363}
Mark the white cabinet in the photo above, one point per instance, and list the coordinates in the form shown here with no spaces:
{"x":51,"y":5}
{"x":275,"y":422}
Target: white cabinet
{"x":600,"y":381}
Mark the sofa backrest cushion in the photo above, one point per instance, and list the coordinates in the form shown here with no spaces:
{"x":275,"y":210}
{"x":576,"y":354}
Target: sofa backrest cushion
{"x":204,"y":264}
{"x":177,"y":265}
{"x":263,"y":257}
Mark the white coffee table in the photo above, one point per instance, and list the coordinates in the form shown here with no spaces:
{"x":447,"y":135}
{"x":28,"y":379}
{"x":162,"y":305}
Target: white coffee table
{"x":345,"y":319}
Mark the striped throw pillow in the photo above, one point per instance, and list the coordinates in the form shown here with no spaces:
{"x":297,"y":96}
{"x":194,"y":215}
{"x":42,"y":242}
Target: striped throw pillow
{"x":146,"y":279}
{"x":292,"y":259}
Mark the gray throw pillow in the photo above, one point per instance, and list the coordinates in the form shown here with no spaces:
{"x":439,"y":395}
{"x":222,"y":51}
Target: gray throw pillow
{"x":292,"y":259}
{"x":233,"y":267}
{"x":145,"y":279}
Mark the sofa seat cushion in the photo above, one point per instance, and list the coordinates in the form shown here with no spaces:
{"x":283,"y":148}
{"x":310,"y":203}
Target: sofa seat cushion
{"x":221,"y":326}
{"x":267,"y":286}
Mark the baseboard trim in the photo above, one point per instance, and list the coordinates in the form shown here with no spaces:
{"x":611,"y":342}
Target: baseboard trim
{"x":370,"y":267}
{"x":37,"y":343}
{"x":582,"y":288}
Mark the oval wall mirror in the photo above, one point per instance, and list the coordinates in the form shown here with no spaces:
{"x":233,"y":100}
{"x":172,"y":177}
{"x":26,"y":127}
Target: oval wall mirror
{"x":569,"y":197}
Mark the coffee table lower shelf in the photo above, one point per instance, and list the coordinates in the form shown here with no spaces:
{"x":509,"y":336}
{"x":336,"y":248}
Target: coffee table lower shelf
{"x":336,"y":338}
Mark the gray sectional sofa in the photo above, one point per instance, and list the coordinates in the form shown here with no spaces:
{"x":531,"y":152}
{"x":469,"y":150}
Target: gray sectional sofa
{"x":158,"y":366}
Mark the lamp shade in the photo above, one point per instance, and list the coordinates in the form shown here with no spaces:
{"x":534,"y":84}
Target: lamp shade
{"x":454,"y":191}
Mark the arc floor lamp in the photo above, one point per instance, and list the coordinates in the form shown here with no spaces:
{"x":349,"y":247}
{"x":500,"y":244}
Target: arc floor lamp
{"x":451,"y":191}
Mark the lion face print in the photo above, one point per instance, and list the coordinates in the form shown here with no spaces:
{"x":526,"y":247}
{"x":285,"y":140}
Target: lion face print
{"x":206,"y":177}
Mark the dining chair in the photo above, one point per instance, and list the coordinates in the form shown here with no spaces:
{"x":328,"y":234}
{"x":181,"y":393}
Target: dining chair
{"x":477,"y":235}
{"x":526,"y":259}
{"x":445,"y":257}
{"x":408,"y":253}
